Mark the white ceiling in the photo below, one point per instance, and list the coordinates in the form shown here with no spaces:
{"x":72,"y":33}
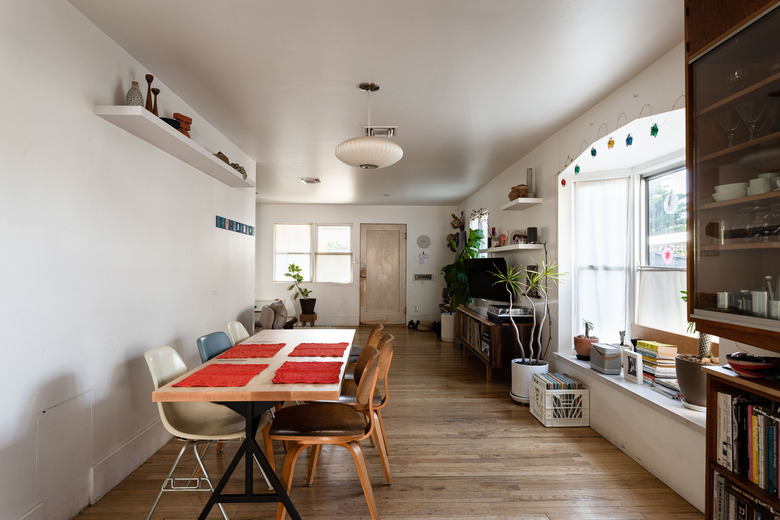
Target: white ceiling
{"x":473,"y":85}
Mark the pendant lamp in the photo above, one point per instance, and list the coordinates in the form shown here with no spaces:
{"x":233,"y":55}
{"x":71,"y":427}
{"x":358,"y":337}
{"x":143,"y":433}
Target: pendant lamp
{"x":369,"y":151}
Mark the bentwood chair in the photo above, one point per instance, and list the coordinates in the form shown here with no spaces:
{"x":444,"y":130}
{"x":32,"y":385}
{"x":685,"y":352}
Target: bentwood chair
{"x":354,"y":353}
{"x":236,"y":332}
{"x":197,"y":424}
{"x":213,"y":344}
{"x":316,"y":424}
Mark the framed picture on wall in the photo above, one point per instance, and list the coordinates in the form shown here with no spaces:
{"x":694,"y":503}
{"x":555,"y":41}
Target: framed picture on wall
{"x":632,"y":366}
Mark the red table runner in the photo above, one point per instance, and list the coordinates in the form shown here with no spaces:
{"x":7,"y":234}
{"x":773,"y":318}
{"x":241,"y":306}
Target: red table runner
{"x":308,"y":372}
{"x":319,"y":350}
{"x":226,"y":374}
{"x":252,"y":350}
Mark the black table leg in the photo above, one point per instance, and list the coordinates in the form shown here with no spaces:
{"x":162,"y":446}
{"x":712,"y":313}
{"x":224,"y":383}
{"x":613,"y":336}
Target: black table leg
{"x":249,"y":449}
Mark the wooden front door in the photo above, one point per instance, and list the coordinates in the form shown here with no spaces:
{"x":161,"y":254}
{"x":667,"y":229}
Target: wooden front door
{"x":383,"y":273}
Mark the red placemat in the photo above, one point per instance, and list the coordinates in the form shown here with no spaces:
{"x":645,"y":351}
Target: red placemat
{"x":319,"y":350}
{"x":222,"y":375}
{"x":252,"y":350}
{"x":308,"y":372}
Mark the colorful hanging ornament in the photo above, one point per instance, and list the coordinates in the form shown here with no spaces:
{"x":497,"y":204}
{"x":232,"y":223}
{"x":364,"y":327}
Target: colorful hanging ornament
{"x":629,"y":140}
{"x":593,"y":152}
{"x":577,"y":169}
{"x":563,"y":182}
{"x":654,"y":130}
{"x":611,"y":143}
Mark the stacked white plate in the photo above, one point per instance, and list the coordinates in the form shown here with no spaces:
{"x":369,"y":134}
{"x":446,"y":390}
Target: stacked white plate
{"x":730,"y":191}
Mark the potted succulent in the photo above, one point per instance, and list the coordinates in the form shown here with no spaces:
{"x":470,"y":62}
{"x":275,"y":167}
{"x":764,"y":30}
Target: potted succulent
{"x":583,"y":341}
{"x":690,"y":377}
{"x":522,"y":283}
{"x":307,"y":304}
{"x":457,"y":282}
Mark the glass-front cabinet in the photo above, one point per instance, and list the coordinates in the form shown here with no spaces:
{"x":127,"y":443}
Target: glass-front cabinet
{"x":734,"y":178}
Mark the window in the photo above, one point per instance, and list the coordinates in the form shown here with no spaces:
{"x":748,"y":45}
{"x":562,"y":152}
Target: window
{"x":479,"y":220}
{"x":323,"y":252}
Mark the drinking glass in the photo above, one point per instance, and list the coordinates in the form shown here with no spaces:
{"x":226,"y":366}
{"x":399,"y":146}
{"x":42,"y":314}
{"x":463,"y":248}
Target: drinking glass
{"x":760,"y":223}
{"x":750,"y":111}
{"x":729,"y":121}
{"x":743,"y":224}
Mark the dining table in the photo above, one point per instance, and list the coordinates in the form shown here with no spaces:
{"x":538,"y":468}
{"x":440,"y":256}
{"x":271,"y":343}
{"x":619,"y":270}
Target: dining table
{"x":290,"y":357}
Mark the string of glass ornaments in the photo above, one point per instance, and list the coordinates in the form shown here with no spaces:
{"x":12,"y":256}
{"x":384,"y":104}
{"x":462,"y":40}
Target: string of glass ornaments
{"x":629,"y":140}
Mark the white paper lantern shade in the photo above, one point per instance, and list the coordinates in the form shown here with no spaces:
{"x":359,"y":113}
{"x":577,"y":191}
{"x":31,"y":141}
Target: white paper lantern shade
{"x":369,"y":152}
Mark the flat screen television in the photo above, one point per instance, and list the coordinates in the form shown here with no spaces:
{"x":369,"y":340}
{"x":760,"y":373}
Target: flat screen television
{"x":482,"y":282}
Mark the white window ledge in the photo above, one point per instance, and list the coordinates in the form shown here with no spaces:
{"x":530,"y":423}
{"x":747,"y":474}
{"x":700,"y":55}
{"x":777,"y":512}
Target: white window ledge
{"x":643,"y":394}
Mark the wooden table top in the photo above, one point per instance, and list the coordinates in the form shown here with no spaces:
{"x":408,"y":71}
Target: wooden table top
{"x":261,"y":388}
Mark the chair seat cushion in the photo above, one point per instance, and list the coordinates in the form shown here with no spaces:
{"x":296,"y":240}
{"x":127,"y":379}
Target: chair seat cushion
{"x":348,"y":395}
{"x":318,"y":420}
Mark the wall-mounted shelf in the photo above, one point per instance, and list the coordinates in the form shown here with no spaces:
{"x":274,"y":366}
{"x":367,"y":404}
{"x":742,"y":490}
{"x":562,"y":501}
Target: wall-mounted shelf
{"x":142,"y":123}
{"x":520,"y":204}
{"x":512,"y":247}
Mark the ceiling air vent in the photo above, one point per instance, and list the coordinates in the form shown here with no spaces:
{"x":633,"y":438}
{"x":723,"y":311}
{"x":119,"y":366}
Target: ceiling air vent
{"x":309,"y":180}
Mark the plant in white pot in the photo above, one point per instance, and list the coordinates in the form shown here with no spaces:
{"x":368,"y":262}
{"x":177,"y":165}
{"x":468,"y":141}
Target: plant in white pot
{"x":521,"y":283}
{"x":307,"y":304}
{"x":690,"y":377}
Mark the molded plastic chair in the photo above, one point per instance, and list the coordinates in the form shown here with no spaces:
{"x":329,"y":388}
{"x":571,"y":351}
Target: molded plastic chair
{"x":195,"y":423}
{"x":237,"y":332}
{"x":315,"y":424}
{"x":212,"y":345}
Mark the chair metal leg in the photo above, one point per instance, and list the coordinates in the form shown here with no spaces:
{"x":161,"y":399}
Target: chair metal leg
{"x":207,"y":479}
{"x":167,"y":477}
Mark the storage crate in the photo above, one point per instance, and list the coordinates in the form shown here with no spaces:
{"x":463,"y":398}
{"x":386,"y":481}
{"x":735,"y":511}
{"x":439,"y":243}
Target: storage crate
{"x":569,"y":407}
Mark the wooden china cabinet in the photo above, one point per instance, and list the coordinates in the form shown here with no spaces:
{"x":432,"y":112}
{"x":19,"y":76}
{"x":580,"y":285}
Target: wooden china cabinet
{"x":733,"y":157}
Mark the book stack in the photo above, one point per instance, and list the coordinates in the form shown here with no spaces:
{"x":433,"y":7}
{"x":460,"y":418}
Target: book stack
{"x":657,"y":361}
{"x":185,"y":123}
{"x":732,"y":502}
{"x":668,"y":387}
{"x":559,"y":381}
{"x":747,"y":439}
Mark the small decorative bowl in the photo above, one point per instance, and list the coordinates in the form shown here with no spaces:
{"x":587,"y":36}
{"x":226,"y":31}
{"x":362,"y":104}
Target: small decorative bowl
{"x":174,"y":123}
{"x":751,"y":366}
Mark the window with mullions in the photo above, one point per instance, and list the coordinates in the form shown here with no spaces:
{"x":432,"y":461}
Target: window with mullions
{"x":333,"y":258}
{"x":292,"y":245}
{"x":323,"y":252}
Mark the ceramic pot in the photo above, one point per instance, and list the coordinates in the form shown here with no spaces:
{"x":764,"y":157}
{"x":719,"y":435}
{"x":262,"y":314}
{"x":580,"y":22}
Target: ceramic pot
{"x":448,"y":327}
{"x":692,"y":381}
{"x":521,"y":378}
{"x":582,"y":347}
{"x":134,"y":98}
{"x":307,"y":305}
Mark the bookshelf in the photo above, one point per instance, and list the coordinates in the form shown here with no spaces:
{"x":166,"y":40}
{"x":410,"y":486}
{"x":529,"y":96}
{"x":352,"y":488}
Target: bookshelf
{"x":490,"y":341}
{"x":750,"y":482}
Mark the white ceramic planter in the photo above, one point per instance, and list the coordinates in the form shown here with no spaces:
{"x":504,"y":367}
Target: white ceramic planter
{"x":521,"y":378}
{"x":448,"y":327}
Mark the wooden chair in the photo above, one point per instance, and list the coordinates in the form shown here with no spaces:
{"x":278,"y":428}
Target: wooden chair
{"x":315,"y":424}
{"x":354,"y":354}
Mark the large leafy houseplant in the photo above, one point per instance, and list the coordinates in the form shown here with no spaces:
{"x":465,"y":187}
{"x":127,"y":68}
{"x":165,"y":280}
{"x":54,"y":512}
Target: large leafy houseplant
{"x":455,"y":273}
{"x":521,"y":283}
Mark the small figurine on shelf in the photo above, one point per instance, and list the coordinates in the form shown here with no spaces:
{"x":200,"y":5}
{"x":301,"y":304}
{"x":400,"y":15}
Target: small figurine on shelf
{"x":155,"y":91}
{"x":149,"y":79}
{"x":134,"y":98}
{"x":185,"y":123}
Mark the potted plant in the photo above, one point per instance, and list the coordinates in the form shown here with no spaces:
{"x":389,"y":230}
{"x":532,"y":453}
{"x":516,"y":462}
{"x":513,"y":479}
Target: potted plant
{"x":457,"y":282}
{"x":522,"y":283}
{"x":583,"y":341}
{"x":690,"y":377}
{"x":307,"y":304}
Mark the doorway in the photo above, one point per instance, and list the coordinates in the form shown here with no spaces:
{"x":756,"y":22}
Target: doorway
{"x":383,"y":273}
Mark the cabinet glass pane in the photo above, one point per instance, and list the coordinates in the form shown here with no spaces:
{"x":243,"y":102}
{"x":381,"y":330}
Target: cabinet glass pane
{"x":735,"y":89}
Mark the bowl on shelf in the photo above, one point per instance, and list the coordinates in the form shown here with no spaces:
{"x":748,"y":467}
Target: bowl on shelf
{"x":732,"y":186}
{"x":751,"y":366}
{"x":730,"y":191}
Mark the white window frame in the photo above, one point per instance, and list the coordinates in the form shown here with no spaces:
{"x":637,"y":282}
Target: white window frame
{"x":313,"y":252}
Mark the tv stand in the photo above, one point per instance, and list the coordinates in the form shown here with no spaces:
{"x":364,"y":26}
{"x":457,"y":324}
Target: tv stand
{"x":492,"y":342}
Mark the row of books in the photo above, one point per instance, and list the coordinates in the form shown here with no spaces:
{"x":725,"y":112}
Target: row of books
{"x":555,"y":381}
{"x":733,"y":503}
{"x":748,"y":438}
{"x":658,"y":367}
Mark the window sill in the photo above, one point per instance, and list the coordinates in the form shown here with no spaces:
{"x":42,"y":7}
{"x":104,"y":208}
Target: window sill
{"x":643,"y":394}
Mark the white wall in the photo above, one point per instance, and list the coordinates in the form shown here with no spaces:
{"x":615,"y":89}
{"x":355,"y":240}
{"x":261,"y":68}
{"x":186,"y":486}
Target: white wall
{"x":340,"y":304}
{"x":109,"y":247}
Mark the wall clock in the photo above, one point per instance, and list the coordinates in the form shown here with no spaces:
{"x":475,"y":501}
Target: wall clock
{"x":423,"y":241}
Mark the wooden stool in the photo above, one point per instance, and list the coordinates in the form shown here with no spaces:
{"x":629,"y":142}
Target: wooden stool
{"x":308,"y":318}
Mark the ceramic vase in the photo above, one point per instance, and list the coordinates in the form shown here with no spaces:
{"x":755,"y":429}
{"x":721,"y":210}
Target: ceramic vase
{"x":134,"y":98}
{"x":692,"y":381}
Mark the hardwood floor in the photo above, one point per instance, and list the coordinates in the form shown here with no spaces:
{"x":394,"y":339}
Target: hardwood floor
{"x":460,"y":448}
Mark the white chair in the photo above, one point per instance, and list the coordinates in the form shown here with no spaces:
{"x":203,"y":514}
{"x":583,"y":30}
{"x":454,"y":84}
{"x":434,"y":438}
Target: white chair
{"x":237,"y":332}
{"x":195,"y":423}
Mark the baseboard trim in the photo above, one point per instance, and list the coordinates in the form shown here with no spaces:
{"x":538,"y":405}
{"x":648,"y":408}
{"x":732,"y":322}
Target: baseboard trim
{"x":115,"y":467}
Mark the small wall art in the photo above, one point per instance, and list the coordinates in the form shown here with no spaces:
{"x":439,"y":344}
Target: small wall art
{"x":232,"y":225}
{"x":632,"y":366}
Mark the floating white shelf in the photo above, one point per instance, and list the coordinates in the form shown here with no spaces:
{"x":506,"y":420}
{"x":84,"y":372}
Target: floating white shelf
{"x":520,"y":204}
{"x":142,"y":123}
{"x":512,"y":247}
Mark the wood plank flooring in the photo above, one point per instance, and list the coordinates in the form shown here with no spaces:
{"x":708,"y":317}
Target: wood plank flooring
{"x":460,"y":448}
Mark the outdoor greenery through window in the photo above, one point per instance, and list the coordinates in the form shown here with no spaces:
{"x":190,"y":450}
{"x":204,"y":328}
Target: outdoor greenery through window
{"x":323,"y":252}
{"x":666,"y":220}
